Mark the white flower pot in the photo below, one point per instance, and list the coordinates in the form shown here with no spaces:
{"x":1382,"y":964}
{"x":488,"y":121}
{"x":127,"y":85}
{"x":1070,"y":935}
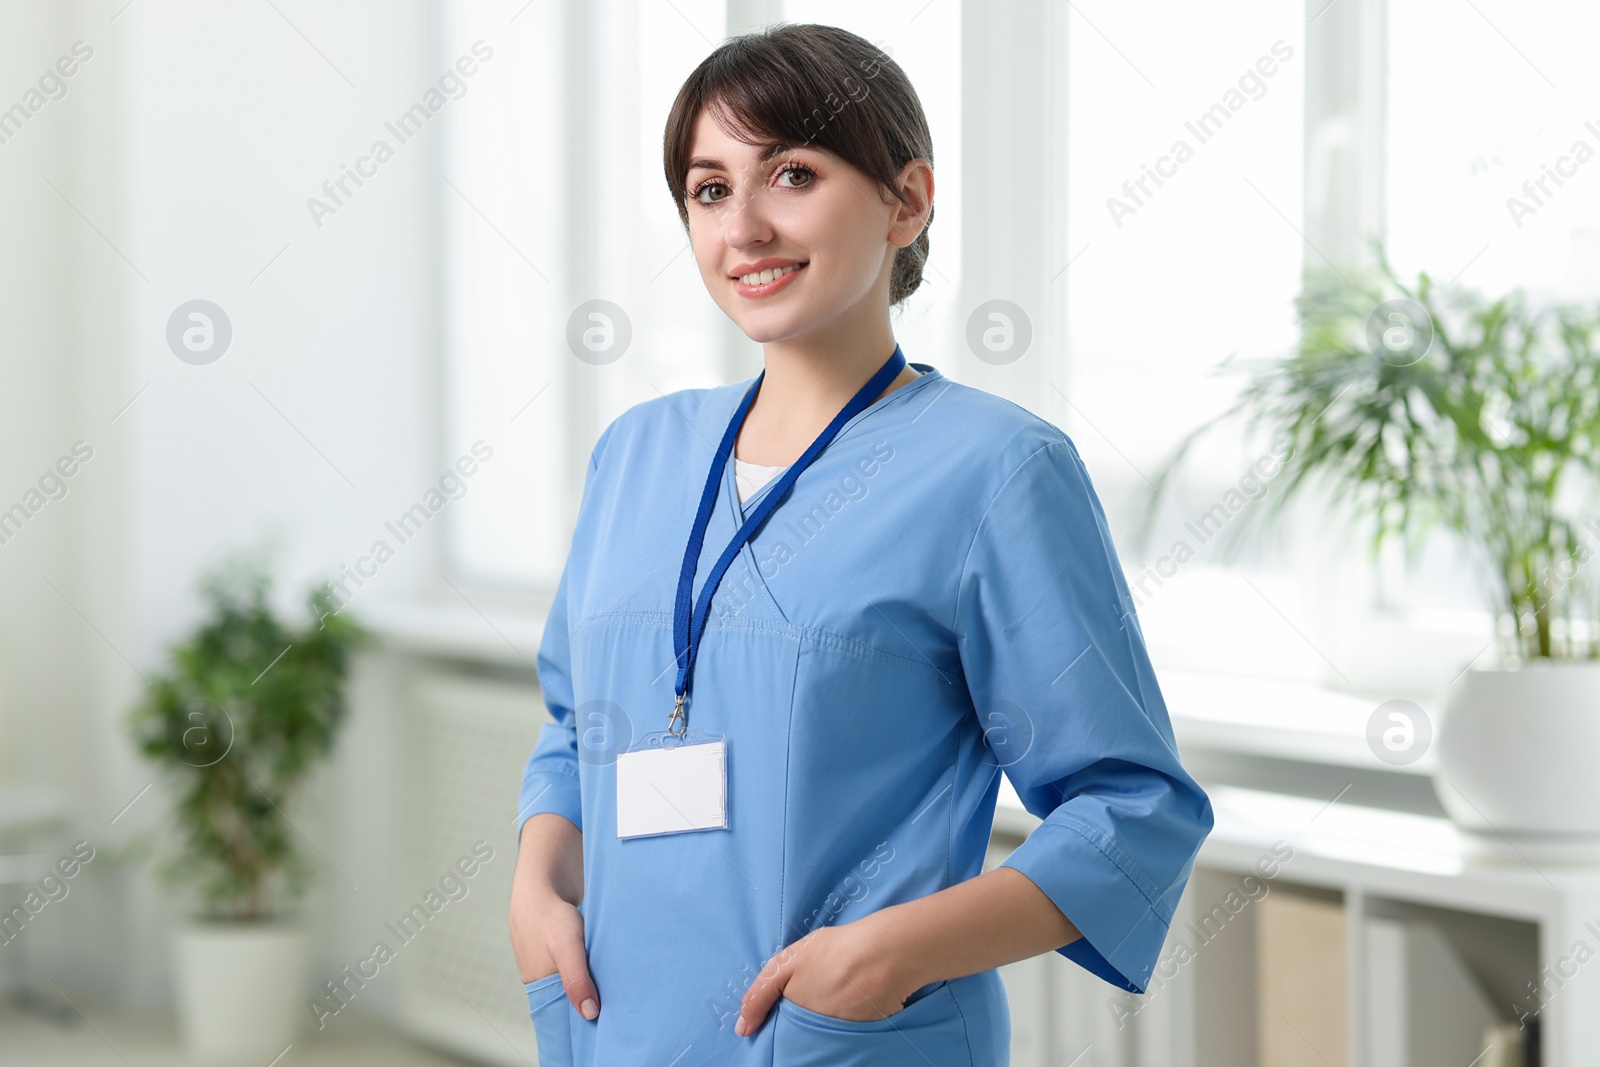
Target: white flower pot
{"x":242,"y":988}
{"x":1518,"y":751}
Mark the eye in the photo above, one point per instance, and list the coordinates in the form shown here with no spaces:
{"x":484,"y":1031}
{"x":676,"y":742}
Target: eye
{"x":800,"y":168}
{"x":791,"y":167}
{"x":694,"y":194}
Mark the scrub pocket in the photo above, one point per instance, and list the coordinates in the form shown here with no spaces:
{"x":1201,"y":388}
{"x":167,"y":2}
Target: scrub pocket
{"x":552,"y":1023}
{"x":928,"y":1031}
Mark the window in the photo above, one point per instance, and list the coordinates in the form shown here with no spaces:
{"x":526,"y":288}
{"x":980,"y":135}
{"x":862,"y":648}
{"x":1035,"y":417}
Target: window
{"x":1481,"y":114}
{"x":552,"y":197}
{"x":504,"y":192}
{"x":1492,"y":181}
{"x":1189,"y":197}
{"x":1185,"y":190}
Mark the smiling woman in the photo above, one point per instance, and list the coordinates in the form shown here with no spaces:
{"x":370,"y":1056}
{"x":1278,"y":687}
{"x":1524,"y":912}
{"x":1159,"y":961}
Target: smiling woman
{"x":778,"y":788}
{"x":821,"y":72}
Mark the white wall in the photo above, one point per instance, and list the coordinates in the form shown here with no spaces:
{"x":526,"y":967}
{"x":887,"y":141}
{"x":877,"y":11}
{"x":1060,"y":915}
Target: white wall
{"x":191,"y":141}
{"x":60,"y":573}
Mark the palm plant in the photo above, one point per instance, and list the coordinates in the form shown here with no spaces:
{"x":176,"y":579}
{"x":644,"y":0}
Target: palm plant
{"x":247,"y":710}
{"x":1419,"y":406}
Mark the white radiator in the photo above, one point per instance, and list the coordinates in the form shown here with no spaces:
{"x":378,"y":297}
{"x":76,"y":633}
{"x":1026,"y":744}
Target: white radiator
{"x":466,"y":740}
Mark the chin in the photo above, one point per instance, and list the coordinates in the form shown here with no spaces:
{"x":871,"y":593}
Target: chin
{"x":763,"y":334}
{"x":764,"y":329}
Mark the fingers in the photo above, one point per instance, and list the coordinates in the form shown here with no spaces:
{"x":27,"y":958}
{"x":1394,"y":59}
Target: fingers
{"x":572,"y":960}
{"x":763,"y":994}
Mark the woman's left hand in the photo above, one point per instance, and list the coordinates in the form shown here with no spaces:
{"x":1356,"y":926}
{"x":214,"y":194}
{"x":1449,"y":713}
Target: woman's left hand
{"x":842,"y":971}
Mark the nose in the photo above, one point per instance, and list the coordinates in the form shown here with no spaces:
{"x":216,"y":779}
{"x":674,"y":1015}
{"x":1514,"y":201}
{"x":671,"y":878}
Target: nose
{"x":745,"y":222}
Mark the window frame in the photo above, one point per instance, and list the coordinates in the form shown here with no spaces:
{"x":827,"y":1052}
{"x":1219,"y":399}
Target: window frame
{"x":1344,"y":82}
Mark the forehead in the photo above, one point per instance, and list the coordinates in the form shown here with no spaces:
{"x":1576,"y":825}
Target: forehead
{"x":712,"y":147}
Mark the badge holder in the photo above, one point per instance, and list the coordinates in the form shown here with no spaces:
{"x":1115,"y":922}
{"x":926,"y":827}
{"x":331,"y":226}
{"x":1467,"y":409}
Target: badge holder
{"x":671,"y":783}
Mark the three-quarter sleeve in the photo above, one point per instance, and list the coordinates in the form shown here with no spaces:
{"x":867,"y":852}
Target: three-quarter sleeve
{"x":550,"y":776}
{"x":1054,"y":658}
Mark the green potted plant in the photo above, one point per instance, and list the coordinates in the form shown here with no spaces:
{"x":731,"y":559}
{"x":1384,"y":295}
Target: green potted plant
{"x":1419,"y":406}
{"x":246,"y":710}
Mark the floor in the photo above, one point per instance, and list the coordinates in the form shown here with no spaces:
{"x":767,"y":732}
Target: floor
{"x":108,"y":1037}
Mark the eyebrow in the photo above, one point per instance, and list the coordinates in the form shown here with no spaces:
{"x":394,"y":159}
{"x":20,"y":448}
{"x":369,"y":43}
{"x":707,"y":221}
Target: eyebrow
{"x":773,"y":148}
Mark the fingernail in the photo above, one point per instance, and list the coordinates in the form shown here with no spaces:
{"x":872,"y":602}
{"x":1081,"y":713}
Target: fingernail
{"x":739,"y":1027}
{"x":589,"y":1008}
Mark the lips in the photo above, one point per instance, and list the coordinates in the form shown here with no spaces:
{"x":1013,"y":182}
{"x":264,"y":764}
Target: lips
{"x":767,"y":288}
{"x":745,"y":270}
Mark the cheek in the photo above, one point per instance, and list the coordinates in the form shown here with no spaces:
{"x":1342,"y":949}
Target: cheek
{"x":852,"y":256}
{"x":852,"y":236}
{"x":706,"y":246}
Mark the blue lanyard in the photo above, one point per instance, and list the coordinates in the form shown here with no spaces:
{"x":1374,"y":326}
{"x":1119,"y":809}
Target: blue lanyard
{"x":686,"y":630}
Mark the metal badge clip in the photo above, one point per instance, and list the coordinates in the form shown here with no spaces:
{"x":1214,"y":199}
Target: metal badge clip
{"x":678,"y":725}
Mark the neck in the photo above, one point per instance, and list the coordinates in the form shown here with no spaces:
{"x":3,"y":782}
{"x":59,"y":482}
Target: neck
{"x":805,"y":385}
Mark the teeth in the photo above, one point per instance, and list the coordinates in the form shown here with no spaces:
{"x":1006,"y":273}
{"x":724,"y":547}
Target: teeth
{"x":764,"y":276}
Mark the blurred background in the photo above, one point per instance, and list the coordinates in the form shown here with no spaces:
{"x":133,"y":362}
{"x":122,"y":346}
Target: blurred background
{"x":294,"y":299}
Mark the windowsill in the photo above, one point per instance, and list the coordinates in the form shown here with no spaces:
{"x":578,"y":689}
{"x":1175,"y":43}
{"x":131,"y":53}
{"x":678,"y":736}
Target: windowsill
{"x":1279,"y":719}
{"x":491,"y":633}
{"x":1342,"y":832}
{"x":1219,"y":712}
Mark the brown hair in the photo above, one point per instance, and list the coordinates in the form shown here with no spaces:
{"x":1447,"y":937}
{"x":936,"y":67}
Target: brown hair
{"x":814,"y":86}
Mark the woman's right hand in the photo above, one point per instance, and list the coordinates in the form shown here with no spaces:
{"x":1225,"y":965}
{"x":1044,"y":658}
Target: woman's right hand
{"x":546,"y":926}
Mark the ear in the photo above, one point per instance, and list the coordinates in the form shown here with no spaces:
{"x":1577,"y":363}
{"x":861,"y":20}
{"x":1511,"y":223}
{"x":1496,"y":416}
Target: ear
{"x":914,"y":206}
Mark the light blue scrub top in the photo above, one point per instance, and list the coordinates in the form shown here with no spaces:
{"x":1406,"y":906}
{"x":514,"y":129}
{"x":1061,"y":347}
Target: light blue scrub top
{"x":937,"y":601}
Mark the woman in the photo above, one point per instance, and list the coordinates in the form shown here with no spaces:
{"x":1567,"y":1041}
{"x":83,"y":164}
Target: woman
{"x":754,"y":832}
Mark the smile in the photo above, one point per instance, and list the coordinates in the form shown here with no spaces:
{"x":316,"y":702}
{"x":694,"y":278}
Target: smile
{"x":766,"y":282}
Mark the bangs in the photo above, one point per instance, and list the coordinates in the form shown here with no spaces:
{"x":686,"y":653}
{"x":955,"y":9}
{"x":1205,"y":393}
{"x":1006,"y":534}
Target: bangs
{"x":807,"y":86}
{"x":796,"y":87}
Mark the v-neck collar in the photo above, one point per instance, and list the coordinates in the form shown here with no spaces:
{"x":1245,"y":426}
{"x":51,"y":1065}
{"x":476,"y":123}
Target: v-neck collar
{"x":773,"y":473}
{"x":730,"y":481}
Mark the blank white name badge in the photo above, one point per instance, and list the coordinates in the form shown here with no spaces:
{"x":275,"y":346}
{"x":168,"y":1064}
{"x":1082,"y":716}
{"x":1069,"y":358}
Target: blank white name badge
{"x":672,"y":788}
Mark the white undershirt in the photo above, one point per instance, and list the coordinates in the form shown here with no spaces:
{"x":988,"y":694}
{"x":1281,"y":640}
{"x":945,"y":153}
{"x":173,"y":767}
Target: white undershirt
{"x":752,"y":476}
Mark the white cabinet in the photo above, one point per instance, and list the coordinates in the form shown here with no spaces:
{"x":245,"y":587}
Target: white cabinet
{"x":1526,"y":931}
